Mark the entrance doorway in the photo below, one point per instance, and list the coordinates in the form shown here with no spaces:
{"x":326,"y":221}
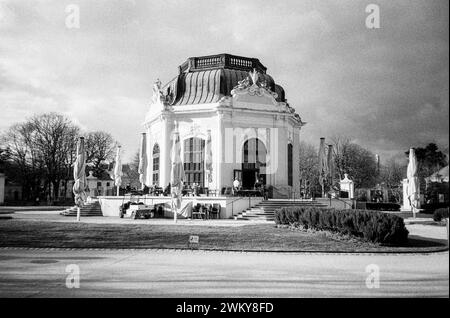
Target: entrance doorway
{"x":253,"y":163}
{"x":249,"y":177}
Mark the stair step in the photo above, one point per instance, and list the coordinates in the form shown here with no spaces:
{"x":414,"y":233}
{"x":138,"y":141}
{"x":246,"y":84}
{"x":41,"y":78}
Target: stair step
{"x":92,"y":209}
{"x":265,"y":210}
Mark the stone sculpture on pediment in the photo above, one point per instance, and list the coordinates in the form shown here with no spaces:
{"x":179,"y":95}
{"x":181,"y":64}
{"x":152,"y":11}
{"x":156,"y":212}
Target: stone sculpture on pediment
{"x":257,"y":88}
{"x":158,"y":95}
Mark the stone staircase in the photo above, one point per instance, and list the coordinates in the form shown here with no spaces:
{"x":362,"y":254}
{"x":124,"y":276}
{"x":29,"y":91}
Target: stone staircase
{"x":89,"y":209}
{"x":265,"y":210}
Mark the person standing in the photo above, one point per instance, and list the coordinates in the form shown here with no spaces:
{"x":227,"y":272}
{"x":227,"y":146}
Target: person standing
{"x":236,"y":185}
{"x":257,"y":184}
{"x":195,"y":188}
{"x":265,"y":192}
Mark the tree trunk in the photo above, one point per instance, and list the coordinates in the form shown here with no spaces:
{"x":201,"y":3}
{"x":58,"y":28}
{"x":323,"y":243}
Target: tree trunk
{"x":55,"y":190}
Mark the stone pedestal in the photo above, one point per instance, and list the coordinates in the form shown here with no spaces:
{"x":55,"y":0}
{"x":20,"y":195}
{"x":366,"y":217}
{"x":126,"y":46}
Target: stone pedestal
{"x":92,"y":184}
{"x":347,"y":185}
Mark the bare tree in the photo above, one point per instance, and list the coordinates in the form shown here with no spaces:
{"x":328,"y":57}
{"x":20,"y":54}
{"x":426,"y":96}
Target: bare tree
{"x":391,"y":175}
{"x":358,"y":162}
{"x":53,"y":138}
{"x":100,"y":147}
{"x":5,"y":155}
{"x":309,"y":168}
{"x":340,"y":148}
{"x":24,"y":163}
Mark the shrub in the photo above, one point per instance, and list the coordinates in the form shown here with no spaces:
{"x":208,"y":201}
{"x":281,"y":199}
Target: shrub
{"x":431,"y":207}
{"x":440,"y":214}
{"x":373,"y":226}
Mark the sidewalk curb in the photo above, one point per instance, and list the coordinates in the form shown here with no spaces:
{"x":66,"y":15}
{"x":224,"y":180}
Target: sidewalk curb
{"x":425,"y":252}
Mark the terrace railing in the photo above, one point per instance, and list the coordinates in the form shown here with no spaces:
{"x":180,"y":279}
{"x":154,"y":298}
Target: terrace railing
{"x":222,"y":61}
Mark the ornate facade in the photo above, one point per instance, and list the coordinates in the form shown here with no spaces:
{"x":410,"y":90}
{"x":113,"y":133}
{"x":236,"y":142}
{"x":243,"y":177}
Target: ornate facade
{"x":232,"y":100}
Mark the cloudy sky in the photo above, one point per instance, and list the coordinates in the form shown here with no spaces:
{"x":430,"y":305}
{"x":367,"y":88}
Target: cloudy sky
{"x":387,"y":88}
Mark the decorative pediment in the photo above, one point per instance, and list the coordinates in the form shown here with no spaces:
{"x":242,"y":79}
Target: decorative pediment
{"x":253,"y":90}
{"x":257,"y":88}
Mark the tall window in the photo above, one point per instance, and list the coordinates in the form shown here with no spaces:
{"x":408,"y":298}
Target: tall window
{"x":194,"y":161}
{"x":254,"y":154}
{"x":156,"y":153}
{"x":290,"y":166}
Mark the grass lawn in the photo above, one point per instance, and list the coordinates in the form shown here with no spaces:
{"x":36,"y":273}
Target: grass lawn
{"x":25,"y":233}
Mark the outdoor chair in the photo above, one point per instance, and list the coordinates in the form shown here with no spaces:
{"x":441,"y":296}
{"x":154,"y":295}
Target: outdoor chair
{"x":215,"y":210}
{"x":208,"y":208}
{"x":198,"y":211}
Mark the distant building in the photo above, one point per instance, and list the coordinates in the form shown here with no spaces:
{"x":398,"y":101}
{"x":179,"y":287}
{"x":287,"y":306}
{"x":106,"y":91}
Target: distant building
{"x":437,"y":187}
{"x":439,"y":176}
{"x":130,"y":177}
{"x":13,"y":191}
{"x":102,"y":185}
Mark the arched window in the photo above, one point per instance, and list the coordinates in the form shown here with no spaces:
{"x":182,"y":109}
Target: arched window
{"x":290,"y":165}
{"x":155,"y":165}
{"x":194,"y":161}
{"x":254,"y":154}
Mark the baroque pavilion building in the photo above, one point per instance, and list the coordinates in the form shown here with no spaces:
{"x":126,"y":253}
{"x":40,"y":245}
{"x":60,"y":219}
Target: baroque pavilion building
{"x":230,"y":100}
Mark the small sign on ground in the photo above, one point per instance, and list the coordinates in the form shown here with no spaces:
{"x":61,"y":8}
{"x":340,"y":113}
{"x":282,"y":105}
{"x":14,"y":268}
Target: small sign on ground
{"x":193,"y":241}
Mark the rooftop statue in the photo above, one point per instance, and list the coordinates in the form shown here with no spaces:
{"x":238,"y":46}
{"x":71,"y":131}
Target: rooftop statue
{"x":158,"y":95}
{"x":254,"y":76}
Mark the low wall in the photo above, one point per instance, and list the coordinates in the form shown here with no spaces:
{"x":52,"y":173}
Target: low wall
{"x":337,"y":204}
{"x":230,"y":206}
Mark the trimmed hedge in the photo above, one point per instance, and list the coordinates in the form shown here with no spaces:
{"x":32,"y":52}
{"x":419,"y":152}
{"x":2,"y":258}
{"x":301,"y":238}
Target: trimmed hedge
{"x":440,"y":214}
{"x":373,"y":226}
{"x":431,"y":207}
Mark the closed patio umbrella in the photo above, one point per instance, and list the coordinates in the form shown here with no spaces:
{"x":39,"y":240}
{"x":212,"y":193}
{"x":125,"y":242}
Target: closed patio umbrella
{"x":323,"y":165}
{"x":143,"y":160}
{"x":176,"y":175}
{"x":118,"y":170}
{"x":330,"y":163}
{"x":413,"y":182}
{"x":79,"y":175}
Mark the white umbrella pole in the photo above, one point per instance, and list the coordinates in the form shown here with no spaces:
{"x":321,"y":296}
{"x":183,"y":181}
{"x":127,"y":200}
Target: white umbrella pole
{"x":117,"y":190}
{"x":78,"y":214}
{"x":174,"y":210}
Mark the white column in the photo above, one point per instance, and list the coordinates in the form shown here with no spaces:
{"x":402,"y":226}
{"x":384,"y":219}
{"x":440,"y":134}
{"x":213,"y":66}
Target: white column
{"x":165,"y":146}
{"x":281,"y":174}
{"x":150,"y":144}
{"x":220,"y":151}
{"x":269,"y":176}
{"x":296,"y":160}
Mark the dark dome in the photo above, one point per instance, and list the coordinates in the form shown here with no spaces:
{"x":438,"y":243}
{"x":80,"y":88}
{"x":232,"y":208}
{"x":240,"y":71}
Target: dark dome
{"x":207,"y":79}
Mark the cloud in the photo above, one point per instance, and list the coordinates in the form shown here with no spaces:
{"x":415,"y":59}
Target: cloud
{"x":388,"y":88}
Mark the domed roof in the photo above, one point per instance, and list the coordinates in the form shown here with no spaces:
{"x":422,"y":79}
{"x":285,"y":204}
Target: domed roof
{"x":207,"y":79}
